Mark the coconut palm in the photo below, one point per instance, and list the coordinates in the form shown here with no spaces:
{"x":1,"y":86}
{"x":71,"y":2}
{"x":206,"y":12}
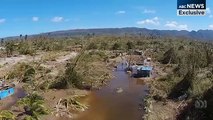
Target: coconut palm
{"x":6,"y":115}
{"x":33,"y":106}
{"x":25,"y":37}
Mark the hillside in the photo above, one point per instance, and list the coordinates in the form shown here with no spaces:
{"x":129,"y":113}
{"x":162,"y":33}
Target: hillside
{"x":199,"y":35}
{"x":206,"y":35}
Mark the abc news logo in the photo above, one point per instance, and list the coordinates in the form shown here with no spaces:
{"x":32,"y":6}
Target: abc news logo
{"x":200,"y":104}
{"x":191,"y":7}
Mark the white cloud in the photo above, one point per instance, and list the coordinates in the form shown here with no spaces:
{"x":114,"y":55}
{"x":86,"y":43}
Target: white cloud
{"x":153,"y":21}
{"x":35,"y":19}
{"x":146,"y":11}
{"x":121,"y":12}
{"x":2,"y":20}
{"x":208,"y":10}
{"x":57,"y":19}
{"x":211,"y":26}
{"x":176,"y":26}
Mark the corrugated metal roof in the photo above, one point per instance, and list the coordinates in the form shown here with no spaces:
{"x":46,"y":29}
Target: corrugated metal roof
{"x":6,"y":92}
{"x":144,"y":68}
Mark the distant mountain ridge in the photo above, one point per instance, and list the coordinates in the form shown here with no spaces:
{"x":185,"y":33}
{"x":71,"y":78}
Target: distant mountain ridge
{"x":206,"y":35}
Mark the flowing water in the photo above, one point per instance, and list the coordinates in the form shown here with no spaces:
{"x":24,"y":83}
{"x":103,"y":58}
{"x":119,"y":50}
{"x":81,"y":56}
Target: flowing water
{"x":108,"y":104}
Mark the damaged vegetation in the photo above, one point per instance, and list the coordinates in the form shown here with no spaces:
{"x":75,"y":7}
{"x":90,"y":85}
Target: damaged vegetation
{"x":90,"y":73}
{"x":188,"y":78}
{"x":183,"y":70}
{"x":54,"y":67}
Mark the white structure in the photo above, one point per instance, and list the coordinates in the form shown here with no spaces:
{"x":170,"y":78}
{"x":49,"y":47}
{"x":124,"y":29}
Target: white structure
{"x":2,"y":48}
{"x":147,"y":62}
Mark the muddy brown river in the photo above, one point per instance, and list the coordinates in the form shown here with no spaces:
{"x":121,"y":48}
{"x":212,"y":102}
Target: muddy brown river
{"x":121,"y":99}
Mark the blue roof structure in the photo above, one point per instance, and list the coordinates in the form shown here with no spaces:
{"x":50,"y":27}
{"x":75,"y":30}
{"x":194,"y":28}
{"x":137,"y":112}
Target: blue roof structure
{"x":148,"y":68}
{"x":5,"y":92}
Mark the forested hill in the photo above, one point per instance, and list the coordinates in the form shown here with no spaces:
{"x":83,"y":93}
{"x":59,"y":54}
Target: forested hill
{"x":198,"y":35}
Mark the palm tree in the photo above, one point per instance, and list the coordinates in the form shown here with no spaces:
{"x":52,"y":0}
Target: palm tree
{"x":33,"y":106}
{"x":6,"y":115}
{"x":25,"y":37}
{"x":20,"y":36}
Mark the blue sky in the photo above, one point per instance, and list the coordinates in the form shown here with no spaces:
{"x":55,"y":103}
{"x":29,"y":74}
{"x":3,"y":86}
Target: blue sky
{"x":37,"y":16}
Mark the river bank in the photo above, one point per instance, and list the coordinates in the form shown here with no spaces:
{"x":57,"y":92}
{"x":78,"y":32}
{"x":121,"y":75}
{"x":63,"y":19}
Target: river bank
{"x":157,"y":105}
{"x":120,"y":99}
{"x":123,"y":94}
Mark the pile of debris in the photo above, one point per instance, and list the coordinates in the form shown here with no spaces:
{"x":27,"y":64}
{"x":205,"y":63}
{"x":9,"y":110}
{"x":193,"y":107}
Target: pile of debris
{"x":64,"y":106}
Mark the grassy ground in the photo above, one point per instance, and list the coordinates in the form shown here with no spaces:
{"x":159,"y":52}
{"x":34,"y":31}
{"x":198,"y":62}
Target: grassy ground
{"x":160,"y":106}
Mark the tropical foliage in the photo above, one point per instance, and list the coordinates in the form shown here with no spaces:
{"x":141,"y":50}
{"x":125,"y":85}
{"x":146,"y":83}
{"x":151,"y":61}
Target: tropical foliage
{"x":6,"y":115}
{"x":33,"y":106}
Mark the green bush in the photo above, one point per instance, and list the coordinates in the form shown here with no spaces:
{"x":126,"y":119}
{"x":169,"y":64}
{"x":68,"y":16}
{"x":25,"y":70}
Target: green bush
{"x":116,"y":46}
{"x":33,"y":106}
{"x":92,"y":46}
{"x":6,"y":115}
{"x":29,"y":75}
{"x":18,"y":71}
{"x":130,"y":45}
{"x":26,"y":49}
{"x":104,"y":45}
{"x":70,"y":79}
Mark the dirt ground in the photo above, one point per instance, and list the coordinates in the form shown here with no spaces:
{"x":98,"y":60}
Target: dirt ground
{"x":160,"y":110}
{"x":52,"y":97}
{"x":8,"y":63}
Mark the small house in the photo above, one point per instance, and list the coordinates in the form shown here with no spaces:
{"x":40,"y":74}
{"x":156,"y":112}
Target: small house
{"x":6,"y":91}
{"x":144,"y":71}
